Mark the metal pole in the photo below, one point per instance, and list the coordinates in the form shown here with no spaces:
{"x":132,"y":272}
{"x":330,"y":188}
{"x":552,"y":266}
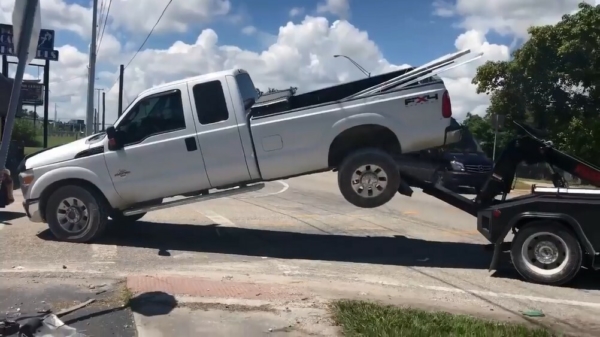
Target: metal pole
{"x":121,"y":73}
{"x":15,"y":95}
{"x":46,"y":100}
{"x":363,"y":70}
{"x":95,"y":119}
{"x":5,"y":73}
{"x":495,"y":137}
{"x":103,"y":110}
{"x":91,"y":73}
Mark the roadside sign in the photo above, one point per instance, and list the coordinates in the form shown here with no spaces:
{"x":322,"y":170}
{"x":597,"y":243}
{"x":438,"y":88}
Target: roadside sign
{"x":497,"y":121}
{"x":45,"y":43}
{"x":18,"y":20}
{"x":32,"y":93}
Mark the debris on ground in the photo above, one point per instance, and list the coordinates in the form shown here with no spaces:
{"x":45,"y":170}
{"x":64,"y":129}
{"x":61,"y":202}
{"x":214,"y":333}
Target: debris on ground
{"x":533,"y":313}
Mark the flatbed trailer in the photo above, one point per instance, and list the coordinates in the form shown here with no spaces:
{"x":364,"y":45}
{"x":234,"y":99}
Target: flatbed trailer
{"x":556,"y":229}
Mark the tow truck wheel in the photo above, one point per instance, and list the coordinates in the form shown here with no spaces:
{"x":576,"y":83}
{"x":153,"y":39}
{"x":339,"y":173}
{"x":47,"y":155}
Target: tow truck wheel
{"x":75,"y":214}
{"x":546,"y":252}
{"x":368,"y":178}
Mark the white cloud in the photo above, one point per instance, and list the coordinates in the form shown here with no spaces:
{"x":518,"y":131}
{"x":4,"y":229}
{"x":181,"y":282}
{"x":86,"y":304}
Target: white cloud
{"x":296,"y":11}
{"x":139,"y":16}
{"x":249,"y":30}
{"x":340,"y":8}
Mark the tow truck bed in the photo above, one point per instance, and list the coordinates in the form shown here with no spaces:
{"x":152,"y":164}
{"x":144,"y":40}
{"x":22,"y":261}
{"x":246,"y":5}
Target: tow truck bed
{"x":555,"y":228}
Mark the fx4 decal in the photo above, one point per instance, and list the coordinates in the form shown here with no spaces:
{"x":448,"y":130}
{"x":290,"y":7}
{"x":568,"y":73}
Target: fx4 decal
{"x":420,"y":99}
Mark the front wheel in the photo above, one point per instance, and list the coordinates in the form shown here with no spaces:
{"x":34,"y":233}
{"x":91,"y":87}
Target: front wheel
{"x":76,"y":214}
{"x":368,"y":178}
{"x":546,"y":252}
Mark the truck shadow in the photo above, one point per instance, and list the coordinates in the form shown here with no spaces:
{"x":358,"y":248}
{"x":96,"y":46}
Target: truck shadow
{"x":397,"y":250}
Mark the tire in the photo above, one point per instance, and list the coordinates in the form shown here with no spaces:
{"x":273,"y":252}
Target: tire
{"x":93,"y":214}
{"x":569,"y":253}
{"x":119,"y":218}
{"x":367,"y":159}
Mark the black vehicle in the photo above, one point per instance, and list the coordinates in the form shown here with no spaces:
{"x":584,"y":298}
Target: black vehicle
{"x":555,"y":228}
{"x":463,"y":167}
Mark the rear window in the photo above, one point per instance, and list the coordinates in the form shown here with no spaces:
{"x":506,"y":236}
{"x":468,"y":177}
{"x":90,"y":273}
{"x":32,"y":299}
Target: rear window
{"x":246,"y":86}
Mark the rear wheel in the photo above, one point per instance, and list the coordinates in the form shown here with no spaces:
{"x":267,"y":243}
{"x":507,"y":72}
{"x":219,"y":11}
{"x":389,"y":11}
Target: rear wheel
{"x":546,"y":252}
{"x":368,"y":178}
{"x":75,"y":214}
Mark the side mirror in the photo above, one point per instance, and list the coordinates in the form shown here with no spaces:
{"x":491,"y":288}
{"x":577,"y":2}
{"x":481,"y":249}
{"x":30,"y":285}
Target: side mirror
{"x":113,"y":141}
{"x":248,"y":103}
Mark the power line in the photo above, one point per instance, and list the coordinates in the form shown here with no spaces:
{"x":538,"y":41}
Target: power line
{"x":146,"y":40}
{"x":104,"y":26}
{"x":149,"y":34}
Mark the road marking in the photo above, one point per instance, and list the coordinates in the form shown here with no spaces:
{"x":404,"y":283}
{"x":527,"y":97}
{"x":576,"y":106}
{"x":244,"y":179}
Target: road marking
{"x":410,"y":213}
{"x":217,"y":218}
{"x":104,"y":252}
{"x":284,"y":188}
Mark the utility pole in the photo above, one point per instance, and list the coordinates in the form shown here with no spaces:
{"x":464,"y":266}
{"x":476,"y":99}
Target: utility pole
{"x":95,"y":120}
{"x":91,"y":71}
{"x":55,"y":118}
{"x":98,"y":95}
{"x":121,"y":73}
{"x":103,"y":110}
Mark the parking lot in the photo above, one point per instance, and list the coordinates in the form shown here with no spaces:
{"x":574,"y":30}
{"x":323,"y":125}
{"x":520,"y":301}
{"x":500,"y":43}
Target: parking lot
{"x":302,"y":232}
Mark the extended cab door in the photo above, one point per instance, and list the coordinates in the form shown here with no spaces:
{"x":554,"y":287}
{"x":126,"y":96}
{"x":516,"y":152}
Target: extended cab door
{"x":218,"y":133}
{"x":161,"y":156}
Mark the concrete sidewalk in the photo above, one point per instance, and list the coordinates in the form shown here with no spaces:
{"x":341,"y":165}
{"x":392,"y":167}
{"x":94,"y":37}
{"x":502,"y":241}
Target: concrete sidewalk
{"x":224,"y":308}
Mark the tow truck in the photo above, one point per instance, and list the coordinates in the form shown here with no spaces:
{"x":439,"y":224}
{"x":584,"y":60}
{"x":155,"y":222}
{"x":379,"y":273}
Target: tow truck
{"x":555,"y":228}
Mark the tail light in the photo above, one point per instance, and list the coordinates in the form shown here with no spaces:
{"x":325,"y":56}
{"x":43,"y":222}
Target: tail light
{"x":446,"y":105}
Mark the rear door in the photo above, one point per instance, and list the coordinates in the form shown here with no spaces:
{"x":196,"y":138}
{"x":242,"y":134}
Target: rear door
{"x":217,"y":133}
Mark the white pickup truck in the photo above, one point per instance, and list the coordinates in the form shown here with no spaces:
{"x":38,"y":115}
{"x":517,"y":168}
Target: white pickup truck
{"x":188,"y":137}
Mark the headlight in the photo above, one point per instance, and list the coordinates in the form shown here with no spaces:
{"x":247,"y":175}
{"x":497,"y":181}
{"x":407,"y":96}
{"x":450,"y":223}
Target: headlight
{"x":456,"y":166}
{"x":26,"y":177}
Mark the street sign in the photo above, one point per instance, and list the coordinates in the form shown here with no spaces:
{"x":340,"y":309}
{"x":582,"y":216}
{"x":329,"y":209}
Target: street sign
{"x":497,"y":121}
{"x":45,"y":43}
{"x":32,"y":93}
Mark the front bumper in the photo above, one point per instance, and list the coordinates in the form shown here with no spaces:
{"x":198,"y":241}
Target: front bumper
{"x":32,"y":209}
{"x":466,"y":179}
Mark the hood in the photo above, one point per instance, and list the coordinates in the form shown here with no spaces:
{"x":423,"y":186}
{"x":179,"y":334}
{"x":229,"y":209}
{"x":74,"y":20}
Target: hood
{"x":61,"y":153}
{"x":468,"y":158}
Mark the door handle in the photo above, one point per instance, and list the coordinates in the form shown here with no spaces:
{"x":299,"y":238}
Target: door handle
{"x":190,"y":144}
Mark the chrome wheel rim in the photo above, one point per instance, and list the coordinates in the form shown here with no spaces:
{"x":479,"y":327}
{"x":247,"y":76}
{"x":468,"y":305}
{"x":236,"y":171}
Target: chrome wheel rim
{"x":369,"y":181}
{"x":72,"y":215}
{"x":545,"y":253}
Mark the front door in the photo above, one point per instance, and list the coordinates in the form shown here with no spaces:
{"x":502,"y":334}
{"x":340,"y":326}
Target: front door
{"x":218,"y":134}
{"x":160,"y":157}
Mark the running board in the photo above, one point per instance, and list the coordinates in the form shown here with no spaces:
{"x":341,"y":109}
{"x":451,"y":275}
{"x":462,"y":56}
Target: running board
{"x":179,"y":202}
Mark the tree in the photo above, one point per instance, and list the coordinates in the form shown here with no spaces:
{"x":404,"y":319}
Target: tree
{"x":23,"y":131}
{"x":553,"y":81}
{"x":259,"y":92}
{"x":482,"y":130}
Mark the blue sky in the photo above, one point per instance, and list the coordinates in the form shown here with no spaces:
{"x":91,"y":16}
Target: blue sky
{"x":405,"y":33}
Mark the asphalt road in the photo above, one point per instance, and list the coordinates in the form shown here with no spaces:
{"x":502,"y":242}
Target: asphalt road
{"x":303,"y":228}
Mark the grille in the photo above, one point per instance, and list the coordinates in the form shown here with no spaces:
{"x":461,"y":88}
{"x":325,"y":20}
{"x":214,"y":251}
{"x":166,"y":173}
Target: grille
{"x":478,"y":168}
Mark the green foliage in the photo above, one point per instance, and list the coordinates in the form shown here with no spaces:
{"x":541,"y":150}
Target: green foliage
{"x":553,"y":80}
{"x":24,"y":131}
{"x":482,"y":130}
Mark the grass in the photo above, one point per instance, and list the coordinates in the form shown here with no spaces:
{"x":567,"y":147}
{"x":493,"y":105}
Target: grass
{"x":52,"y":141}
{"x":364,"y":319}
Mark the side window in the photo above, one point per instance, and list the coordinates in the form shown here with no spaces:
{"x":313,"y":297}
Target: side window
{"x":153,"y":115}
{"x":210,"y":102}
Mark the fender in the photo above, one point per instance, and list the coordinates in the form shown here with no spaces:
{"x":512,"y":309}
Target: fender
{"x":74,"y":172}
{"x":587,"y":245}
{"x":367,"y":118}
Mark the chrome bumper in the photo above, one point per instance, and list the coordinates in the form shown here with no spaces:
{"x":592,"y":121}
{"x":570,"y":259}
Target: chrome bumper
{"x":32,"y":209}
